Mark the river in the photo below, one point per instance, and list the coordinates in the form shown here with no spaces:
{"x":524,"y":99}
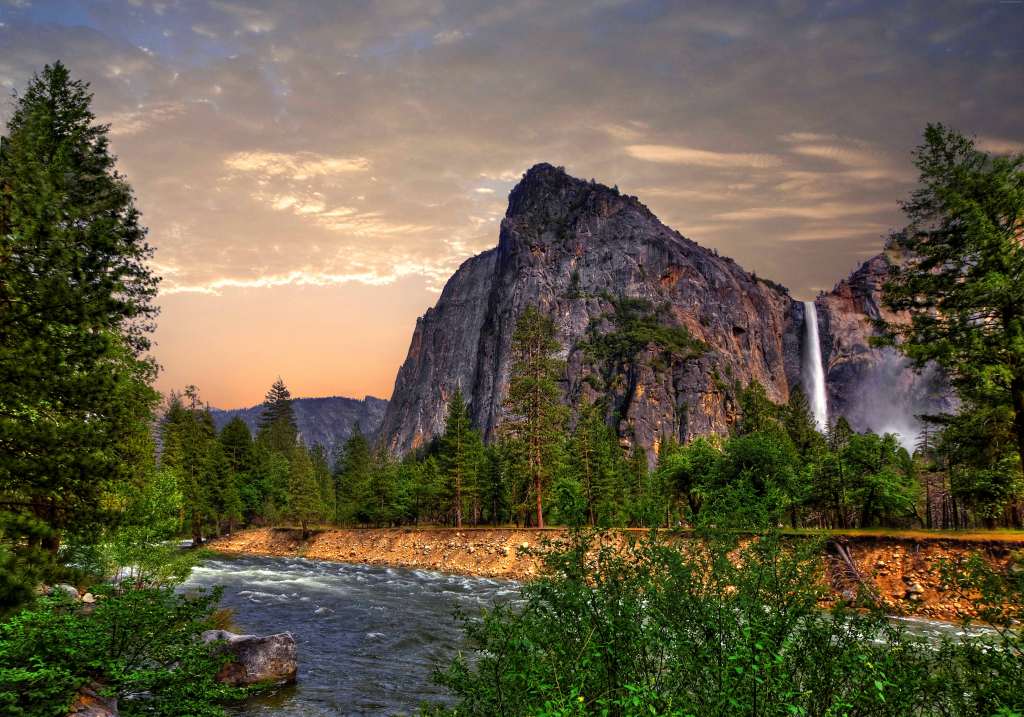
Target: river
{"x":368,"y":637}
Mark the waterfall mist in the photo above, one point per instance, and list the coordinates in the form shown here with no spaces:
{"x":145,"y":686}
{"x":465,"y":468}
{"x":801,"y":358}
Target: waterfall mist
{"x":813,"y":373}
{"x":890,"y":396}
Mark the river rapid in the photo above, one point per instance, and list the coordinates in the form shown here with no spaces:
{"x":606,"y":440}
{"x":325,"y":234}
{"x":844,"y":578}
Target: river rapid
{"x":369,"y":637}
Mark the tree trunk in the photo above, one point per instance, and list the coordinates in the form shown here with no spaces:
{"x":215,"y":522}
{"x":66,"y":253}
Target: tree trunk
{"x":1017,"y":394}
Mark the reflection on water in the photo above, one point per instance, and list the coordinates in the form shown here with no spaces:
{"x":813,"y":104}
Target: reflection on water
{"x":369,"y":637}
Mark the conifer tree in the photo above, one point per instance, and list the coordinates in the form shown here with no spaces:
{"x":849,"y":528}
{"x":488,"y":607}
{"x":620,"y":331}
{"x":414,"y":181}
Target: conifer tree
{"x":352,"y":477}
{"x":962,"y":274}
{"x":324,"y":479}
{"x":459,"y":452}
{"x":76,"y":307}
{"x":187,"y":434}
{"x":304,"y":505}
{"x":277,"y":427}
{"x":536,"y":417}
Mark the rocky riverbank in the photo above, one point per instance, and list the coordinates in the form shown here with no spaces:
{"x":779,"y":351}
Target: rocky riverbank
{"x":904,"y":572}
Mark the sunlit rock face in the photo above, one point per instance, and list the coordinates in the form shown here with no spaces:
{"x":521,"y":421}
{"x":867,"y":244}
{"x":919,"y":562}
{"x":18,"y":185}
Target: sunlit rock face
{"x":574,"y":249}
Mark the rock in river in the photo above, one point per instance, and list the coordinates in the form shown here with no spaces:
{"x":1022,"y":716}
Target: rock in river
{"x":257,"y":660}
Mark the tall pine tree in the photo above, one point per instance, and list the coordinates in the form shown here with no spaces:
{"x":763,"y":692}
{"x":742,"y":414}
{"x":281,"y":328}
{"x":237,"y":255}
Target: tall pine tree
{"x":460,"y":452}
{"x":277,"y":427}
{"x":536,"y":418}
{"x":75,"y":312}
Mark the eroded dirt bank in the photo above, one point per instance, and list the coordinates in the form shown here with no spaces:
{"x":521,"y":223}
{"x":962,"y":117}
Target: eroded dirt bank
{"x":904,"y":572}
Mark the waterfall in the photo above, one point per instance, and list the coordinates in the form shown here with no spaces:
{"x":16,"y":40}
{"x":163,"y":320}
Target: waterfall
{"x":813,"y":372}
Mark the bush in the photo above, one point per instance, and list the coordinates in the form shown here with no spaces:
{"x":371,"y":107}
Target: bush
{"x":141,"y":645}
{"x":710,"y":627}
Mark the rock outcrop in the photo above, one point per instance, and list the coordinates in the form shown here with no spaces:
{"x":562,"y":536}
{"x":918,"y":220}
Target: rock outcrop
{"x":326,"y":422}
{"x":875,"y":389}
{"x":270,"y":660}
{"x":89,"y":702}
{"x":690,"y":327}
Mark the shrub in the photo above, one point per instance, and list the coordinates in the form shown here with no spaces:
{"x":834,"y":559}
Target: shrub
{"x":141,"y":645}
{"x":710,"y":627}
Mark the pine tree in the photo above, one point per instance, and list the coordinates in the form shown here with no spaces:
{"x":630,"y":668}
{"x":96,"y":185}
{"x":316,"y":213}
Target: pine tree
{"x":536,"y":417}
{"x":277,"y":427}
{"x":304,"y":503}
{"x":187,"y":434}
{"x":324,"y":479}
{"x":75,"y":313}
{"x":352,"y":478}
{"x":459,"y":452}
{"x":962,"y":274}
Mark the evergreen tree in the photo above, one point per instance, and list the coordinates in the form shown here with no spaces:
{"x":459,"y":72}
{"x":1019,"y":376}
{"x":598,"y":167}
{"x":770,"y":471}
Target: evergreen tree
{"x":187,"y":434}
{"x":304,"y":504}
{"x":459,"y":455}
{"x":598,"y":464}
{"x":277,"y":427}
{"x":352,"y":478}
{"x":963,"y":271}
{"x":800,"y":425}
{"x":536,"y":417}
{"x":236,"y":440}
{"x":75,"y":312}
{"x":324,"y":479}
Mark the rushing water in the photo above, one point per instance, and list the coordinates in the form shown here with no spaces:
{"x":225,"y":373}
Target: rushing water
{"x":368,"y":637}
{"x":813,"y":371}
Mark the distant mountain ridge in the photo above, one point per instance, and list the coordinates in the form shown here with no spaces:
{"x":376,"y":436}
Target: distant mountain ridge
{"x":326,"y":421}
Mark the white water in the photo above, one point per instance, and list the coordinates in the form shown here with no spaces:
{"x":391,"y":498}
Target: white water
{"x":813,"y":371}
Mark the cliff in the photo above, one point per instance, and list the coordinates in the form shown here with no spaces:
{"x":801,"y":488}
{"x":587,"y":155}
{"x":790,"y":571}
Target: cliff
{"x":656,"y":329}
{"x":875,"y":389}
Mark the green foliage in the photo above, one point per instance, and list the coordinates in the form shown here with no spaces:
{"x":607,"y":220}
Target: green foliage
{"x":460,"y":453}
{"x":305,"y":504}
{"x":962,"y":273}
{"x":709,"y":627}
{"x":536,"y":417}
{"x":639,"y":325}
{"x":277,"y":428}
{"x":141,"y":645}
{"x":75,"y":311}
{"x":141,"y":550}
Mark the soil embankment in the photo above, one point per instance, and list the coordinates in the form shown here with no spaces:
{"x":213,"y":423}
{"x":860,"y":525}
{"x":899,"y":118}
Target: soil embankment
{"x":904,"y":571}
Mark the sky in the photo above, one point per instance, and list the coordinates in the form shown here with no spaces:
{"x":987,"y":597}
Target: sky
{"x":312,"y":172}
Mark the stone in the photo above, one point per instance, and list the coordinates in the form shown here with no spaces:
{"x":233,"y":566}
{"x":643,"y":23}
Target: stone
{"x":69,"y":590}
{"x":89,"y":703}
{"x":272,"y":659}
{"x":89,"y":598}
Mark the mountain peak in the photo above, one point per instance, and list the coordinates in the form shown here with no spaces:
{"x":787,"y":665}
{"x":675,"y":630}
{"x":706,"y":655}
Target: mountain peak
{"x":547,"y":192}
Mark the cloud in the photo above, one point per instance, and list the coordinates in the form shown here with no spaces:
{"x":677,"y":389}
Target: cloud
{"x":995,"y":145}
{"x":298,"y":166}
{"x":823,"y":210}
{"x":447,"y":37}
{"x":144,"y":117}
{"x":675,"y":154}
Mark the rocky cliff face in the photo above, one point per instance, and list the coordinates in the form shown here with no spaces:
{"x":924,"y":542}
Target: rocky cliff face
{"x":326,"y":422}
{"x":690,"y":326}
{"x":875,"y":389}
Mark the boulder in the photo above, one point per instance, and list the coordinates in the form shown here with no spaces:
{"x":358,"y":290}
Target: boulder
{"x":272,"y":659}
{"x":70,"y":590}
{"x":89,"y":703}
